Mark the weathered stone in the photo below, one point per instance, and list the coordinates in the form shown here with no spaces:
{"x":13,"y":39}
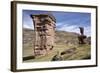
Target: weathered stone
{"x":71,"y":50}
{"x":57,"y":57}
{"x":44,"y":26}
{"x":81,"y":37}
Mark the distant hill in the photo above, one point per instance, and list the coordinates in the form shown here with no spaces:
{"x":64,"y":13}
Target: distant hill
{"x":66,"y":37}
{"x":63,"y":41}
{"x":62,"y":37}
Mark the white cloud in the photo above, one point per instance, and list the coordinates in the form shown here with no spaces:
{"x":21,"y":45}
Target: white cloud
{"x":28,"y":27}
{"x":87,"y":31}
{"x":66,"y":27}
{"x":71,"y":28}
{"x":75,"y":28}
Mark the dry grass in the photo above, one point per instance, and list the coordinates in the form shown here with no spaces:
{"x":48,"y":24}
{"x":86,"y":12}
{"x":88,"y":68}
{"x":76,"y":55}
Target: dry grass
{"x":61,"y":44}
{"x":81,"y":52}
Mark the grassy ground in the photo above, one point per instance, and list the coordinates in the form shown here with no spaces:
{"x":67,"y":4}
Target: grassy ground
{"x":81,"y":52}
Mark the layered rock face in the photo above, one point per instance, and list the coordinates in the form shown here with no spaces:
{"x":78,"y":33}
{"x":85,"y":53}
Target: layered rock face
{"x":44,"y":27}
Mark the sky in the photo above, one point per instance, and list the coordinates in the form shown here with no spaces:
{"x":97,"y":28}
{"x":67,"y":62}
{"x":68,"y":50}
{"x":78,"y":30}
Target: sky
{"x":65,"y":21}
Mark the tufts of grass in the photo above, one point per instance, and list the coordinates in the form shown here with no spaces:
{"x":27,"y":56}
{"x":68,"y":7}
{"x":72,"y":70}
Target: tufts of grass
{"x":82,"y":52}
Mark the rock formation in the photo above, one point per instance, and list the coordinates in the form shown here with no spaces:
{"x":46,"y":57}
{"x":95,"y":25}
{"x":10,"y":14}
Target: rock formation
{"x":44,"y":26}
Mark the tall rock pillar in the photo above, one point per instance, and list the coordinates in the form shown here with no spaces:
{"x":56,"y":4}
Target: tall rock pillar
{"x":44,"y":28}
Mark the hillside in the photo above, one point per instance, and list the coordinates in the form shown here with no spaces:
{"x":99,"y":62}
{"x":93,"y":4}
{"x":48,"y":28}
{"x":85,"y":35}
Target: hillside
{"x":60,"y":37}
{"x":63,"y":41}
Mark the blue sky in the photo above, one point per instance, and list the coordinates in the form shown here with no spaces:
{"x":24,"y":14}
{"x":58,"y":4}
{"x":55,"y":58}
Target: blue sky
{"x":65,"y":21}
